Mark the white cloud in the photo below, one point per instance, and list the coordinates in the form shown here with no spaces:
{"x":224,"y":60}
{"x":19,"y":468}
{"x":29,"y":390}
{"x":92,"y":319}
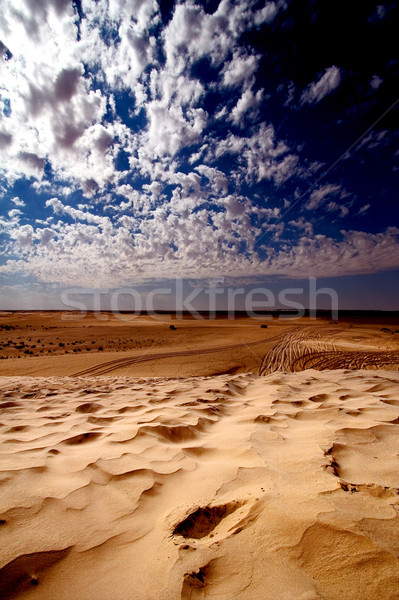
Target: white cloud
{"x":302,"y":225}
{"x":82,"y":254}
{"x":327,"y":83}
{"x":357,"y":252}
{"x":17,"y":201}
{"x":192,"y":33}
{"x":375,"y":82}
{"x":124,"y":57}
{"x":364,"y":209}
{"x":60,"y":95}
{"x":279,"y":171}
{"x":15,"y":212}
{"x":197,"y":155}
{"x":54,"y":116}
{"x":318,"y":196}
{"x":336,"y":207}
{"x":290,"y":94}
{"x":23,"y":236}
{"x":217,"y":179}
{"x":59,"y":208}
{"x":248,"y":102}
{"x":239,"y":69}
{"x":170,"y":129}
{"x":268,"y":12}
{"x":260,"y":156}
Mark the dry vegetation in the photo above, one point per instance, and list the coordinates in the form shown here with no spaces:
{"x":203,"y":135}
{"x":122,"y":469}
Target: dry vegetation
{"x":69,"y":344}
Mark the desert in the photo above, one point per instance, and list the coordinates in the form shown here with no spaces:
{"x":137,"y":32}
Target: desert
{"x":247,"y":458}
{"x":199,"y":300}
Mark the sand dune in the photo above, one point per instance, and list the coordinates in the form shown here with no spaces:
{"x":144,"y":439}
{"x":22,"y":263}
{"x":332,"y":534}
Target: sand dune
{"x":232,"y":486}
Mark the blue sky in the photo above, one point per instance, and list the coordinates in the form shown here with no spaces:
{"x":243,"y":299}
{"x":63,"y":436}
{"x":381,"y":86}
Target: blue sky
{"x":142,"y":142}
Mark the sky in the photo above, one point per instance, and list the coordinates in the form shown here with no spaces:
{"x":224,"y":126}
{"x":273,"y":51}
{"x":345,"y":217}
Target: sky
{"x":213,"y":143}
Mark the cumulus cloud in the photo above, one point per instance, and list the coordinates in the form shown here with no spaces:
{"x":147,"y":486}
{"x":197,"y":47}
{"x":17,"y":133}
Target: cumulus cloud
{"x":59,"y":208}
{"x":106,"y":121}
{"x":15,"y":212}
{"x":52,"y":108}
{"x":336,"y":207}
{"x":318,"y":196}
{"x":192,"y":33}
{"x":217,"y":179}
{"x":240,"y":68}
{"x":261,"y":156}
{"x":357,"y":252}
{"x":82,"y":254}
{"x":247,"y":103}
{"x":170,"y":128}
{"x":17,"y":201}
{"x":326,"y":84}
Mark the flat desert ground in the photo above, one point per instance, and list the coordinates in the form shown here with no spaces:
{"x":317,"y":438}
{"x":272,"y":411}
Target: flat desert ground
{"x":228,"y":459}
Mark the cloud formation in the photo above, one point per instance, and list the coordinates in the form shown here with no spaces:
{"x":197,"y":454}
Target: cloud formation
{"x":323,"y":86}
{"x":139,"y":143}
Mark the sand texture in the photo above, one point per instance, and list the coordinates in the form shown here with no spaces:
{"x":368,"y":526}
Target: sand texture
{"x":57,"y":344}
{"x":225,"y":487}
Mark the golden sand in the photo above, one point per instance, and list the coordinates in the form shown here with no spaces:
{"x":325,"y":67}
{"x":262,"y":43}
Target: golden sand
{"x":252,"y":485}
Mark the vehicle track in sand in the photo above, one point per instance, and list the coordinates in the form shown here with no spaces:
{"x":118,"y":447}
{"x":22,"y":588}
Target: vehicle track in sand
{"x":346,"y":360}
{"x":118,"y":363}
{"x":314,"y":348}
{"x":297,"y":349}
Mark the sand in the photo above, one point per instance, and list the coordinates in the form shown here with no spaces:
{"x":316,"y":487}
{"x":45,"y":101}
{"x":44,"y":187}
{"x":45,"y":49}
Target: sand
{"x":276,"y":479}
{"x":58,"y":344}
{"x":235,"y":486}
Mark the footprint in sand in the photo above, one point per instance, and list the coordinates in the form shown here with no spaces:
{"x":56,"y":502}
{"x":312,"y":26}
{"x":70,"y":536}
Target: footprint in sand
{"x":216,"y":522}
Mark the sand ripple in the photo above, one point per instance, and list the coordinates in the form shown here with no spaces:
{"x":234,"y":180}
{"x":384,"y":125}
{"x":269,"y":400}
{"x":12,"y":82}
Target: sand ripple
{"x":233,"y":486}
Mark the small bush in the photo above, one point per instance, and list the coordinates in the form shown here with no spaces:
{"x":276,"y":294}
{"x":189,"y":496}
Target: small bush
{"x":172,"y":327}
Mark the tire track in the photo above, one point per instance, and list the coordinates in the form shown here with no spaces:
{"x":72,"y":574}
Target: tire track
{"x":314,"y":348}
{"x":345,"y":360}
{"x":112,"y":365}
